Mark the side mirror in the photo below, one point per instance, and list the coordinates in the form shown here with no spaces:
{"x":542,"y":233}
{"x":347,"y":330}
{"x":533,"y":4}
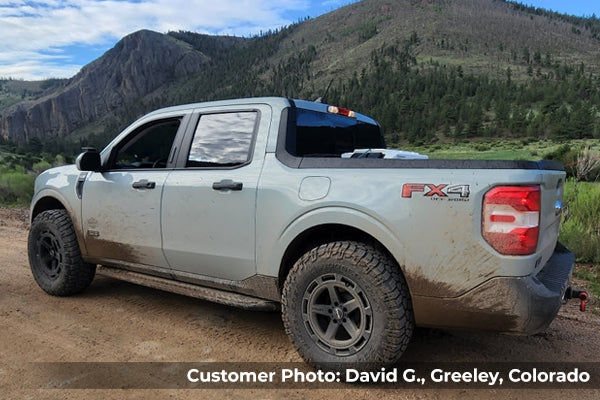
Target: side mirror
{"x":89,"y":160}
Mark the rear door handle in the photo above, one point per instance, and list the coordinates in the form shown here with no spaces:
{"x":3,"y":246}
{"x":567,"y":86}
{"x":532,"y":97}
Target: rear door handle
{"x":227,"y":184}
{"x":144,"y":184}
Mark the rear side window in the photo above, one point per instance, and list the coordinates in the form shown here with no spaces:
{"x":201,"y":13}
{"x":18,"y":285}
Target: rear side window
{"x":223,"y":140}
{"x":320,"y":134}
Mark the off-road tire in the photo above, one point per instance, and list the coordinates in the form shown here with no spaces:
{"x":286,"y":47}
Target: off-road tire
{"x":347,"y":304}
{"x":55,"y":257}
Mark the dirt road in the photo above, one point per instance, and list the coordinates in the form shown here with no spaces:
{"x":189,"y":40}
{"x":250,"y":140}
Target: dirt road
{"x":117,"y":321}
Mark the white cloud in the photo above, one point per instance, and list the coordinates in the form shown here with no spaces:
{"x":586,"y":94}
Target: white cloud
{"x":33,"y":32}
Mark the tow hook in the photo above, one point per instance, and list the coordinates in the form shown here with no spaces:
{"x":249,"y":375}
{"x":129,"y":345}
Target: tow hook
{"x":577,"y":294}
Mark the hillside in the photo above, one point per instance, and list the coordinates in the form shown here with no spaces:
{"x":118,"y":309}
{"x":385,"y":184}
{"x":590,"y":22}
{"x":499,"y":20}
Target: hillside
{"x":426,"y":69}
{"x":484,"y":36}
{"x":13,"y":91}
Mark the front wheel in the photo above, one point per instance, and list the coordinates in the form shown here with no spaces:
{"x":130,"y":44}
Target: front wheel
{"x":346,"y":303}
{"x":54,"y":255}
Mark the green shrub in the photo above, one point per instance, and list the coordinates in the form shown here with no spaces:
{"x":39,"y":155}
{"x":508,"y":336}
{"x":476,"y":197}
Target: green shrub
{"x":16,"y":187}
{"x":41,"y":166}
{"x":580,"y":229}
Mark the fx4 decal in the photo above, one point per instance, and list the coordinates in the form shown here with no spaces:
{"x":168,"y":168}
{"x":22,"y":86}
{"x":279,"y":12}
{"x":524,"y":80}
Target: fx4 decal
{"x":432,"y":191}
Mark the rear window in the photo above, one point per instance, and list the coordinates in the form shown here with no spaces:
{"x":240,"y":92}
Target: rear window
{"x":320,"y":134}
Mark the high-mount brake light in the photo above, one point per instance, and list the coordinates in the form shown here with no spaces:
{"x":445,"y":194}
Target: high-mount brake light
{"x":511,"y":219}
{"x":341,"y":111}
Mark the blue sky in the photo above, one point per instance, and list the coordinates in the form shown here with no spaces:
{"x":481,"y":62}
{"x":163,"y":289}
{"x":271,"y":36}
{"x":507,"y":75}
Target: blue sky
{"x":580,"y":8}
{"x":42,"y":39}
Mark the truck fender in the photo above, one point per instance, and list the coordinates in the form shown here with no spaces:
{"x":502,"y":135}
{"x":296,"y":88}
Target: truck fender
{"x":344,"y":218}
{"x":48,"y":199}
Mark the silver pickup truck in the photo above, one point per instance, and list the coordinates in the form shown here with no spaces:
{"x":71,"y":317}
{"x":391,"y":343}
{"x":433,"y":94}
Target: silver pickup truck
{"x":267,"y":203}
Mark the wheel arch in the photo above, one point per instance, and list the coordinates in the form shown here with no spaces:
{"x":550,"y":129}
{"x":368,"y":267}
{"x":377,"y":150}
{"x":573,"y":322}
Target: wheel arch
{"x":51,"y":200}
{"x":325,"y":233}
{"x":45,"y":203}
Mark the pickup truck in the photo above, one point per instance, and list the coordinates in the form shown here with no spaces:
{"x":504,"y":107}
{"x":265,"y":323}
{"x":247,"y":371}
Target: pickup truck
{"x":267,"y":204}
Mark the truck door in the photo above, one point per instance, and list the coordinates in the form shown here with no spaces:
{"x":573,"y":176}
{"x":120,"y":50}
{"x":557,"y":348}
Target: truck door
{"x":121,"y":206}
{"x":209,"y":201}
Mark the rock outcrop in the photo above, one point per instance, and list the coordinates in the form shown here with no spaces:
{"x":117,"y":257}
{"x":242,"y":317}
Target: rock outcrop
{"x":138,"y":65}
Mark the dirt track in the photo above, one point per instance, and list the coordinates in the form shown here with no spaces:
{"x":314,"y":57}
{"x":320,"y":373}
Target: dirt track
{"x":117,"y":321}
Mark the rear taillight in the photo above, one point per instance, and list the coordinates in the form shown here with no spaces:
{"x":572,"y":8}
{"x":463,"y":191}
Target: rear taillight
{"x":511,"y":219}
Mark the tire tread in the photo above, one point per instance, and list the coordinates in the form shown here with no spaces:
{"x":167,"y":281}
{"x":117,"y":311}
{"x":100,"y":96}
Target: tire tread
{"x":77,"y":275}
{"x":385,"y":274}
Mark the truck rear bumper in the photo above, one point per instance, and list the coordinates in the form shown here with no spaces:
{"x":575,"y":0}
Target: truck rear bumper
{"x":522,"y":305}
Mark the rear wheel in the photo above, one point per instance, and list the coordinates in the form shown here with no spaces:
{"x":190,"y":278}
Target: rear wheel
{"x":55,"y":257}
{"x":346,"y":303}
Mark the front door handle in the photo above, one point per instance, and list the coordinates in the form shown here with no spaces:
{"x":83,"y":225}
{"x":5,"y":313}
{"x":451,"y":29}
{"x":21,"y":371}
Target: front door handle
{"x":227,"y":184}
{"x":144,"y":184}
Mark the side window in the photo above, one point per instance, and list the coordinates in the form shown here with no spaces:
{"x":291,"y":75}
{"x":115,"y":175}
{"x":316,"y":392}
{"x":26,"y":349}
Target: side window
{"x":223,"y":140}
{"x":148,"y":147}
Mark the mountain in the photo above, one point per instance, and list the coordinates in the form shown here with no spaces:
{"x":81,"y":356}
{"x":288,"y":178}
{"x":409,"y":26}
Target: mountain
{"x":461,"y":67}
{"x":138,"y":65}
{"x":484,"y":36}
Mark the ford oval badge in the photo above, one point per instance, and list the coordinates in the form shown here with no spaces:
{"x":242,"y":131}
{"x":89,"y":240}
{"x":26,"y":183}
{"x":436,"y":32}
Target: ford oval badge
{"x":558,"y":207}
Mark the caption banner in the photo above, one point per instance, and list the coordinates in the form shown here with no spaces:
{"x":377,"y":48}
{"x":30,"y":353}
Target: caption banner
{"x":159,"y":375}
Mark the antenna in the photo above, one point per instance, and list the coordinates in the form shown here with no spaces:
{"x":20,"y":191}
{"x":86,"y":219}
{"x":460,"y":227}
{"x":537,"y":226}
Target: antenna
{"x":320,"y":99}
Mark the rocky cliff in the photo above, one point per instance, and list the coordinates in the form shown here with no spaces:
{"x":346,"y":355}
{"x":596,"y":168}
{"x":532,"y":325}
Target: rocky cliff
{"x":138,"y":65}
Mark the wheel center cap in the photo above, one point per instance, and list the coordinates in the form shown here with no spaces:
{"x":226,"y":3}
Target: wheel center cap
{"x":338,"y":313}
